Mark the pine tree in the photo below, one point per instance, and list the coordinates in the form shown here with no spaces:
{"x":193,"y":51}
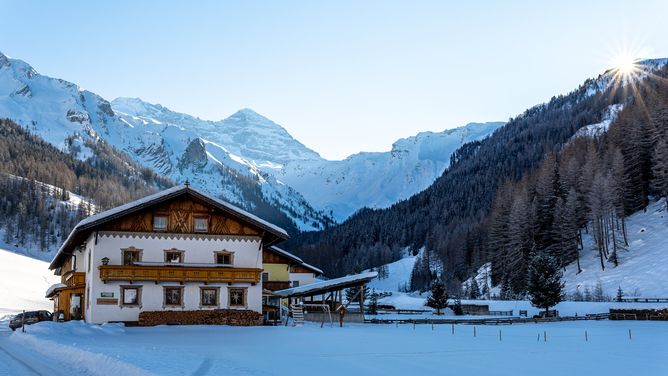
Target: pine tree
{"x":373,"y":303}
{"x":474,"y":289}
{"x":620,"y":294}
{"x":351,"y":293}
{"x":544,"y":286}
{"x":660,"y":169}
{"x":438,"y":298}
{"x":599,"y":294}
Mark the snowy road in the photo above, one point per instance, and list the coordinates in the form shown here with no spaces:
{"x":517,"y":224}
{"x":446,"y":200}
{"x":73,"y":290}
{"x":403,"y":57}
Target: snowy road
{"x":17,"y":360}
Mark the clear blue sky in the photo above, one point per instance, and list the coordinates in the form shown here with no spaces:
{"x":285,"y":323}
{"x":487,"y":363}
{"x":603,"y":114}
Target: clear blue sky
{"x":341,"y":76}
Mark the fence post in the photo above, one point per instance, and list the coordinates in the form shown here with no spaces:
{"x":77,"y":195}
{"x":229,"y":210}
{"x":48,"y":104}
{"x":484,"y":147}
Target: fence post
{"x":474,"y":332}
{"x":586,"y":337}
{"x":630,"y":334}
{"x":499,"y":335}
{"x":432,"y":326}
{"x":453,"y":328}
{"x":23,"y":321}
{"x":413,"y":324}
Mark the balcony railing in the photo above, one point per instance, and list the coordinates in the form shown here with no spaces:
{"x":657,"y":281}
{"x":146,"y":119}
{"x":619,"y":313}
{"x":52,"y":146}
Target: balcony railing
{"x":275,"y":285}
{"x":157,"y":274}
{"x":75,"y":279}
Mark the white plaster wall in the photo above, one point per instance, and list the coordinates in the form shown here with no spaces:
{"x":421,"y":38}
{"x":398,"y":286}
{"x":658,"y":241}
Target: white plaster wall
{"x":247,"y":254}
{"x":303,"y":278}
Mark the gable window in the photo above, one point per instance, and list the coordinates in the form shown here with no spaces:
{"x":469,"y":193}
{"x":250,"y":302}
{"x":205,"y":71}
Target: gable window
{"x":201,"y":224}
{"x":130,"y":295}
{"x":224,"y":258}
{"x":160,"y":223}
{"x":295,"y":283}
{"x":265,"y":276}
{"x":174,"y":255}
{"x":237,"y":297}
{"x":173,"y":296}
{"x":208,"y":297}
{"x":131,"y":255}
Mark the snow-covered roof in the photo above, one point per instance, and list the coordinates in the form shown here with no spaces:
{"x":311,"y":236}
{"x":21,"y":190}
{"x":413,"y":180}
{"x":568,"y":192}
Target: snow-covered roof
{"x":158,"y":197}
{"x":296,"y":259}
{"x":53,"y":289}
{"x":286,"y":254}
{"x":329,"y":285}
{"x":316,"y":270}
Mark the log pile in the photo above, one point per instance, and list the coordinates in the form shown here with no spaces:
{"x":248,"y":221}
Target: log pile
{"x":201,"y":317}
{"x":639,"y":314}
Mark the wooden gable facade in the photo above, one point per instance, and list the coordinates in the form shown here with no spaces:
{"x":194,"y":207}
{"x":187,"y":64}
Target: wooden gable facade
{"x":181,"y":213}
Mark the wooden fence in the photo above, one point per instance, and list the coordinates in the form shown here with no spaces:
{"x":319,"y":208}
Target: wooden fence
{"x":489,"y":321}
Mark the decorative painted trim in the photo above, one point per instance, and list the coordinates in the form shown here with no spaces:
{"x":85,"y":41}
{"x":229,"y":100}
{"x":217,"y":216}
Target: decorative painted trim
{"x":177,"y":236}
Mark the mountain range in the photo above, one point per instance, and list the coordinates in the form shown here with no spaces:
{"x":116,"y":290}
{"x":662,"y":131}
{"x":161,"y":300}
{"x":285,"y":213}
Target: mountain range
{"x":246,"y":158}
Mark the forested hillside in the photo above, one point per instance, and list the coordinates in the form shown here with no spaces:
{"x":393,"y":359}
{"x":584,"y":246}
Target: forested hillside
{"x":588,"y":187}
{"x":35,"y":178}
{"x":451,"y":218}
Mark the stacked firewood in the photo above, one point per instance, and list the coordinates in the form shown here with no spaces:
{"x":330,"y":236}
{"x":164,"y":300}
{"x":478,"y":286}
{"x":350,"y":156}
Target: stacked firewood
{"x":201,"y":317}
{"x":639,"y":314}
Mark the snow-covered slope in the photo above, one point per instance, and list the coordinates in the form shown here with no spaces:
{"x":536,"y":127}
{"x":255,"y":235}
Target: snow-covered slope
{"x":398,"y":275}
{"x":643,"y":267}
{"x":378,"y":180}
{"x":23,"y":282}
{"x":598,"y":129}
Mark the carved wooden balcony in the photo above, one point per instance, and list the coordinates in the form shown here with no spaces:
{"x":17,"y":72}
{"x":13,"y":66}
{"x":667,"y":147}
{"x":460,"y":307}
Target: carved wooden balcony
{"x":178,"y":273}
{"x":74,"y":279}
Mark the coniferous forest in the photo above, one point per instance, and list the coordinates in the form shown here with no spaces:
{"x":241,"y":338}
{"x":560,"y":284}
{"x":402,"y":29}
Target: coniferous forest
{"x":528,"y":188}
{"x":35,"y":179}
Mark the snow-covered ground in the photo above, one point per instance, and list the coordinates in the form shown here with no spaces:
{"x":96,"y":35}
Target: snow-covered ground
{"x":643,"y":267}
{"x":399,"y":274}
{"x":23,"y":282}
{"x":355,"y":349}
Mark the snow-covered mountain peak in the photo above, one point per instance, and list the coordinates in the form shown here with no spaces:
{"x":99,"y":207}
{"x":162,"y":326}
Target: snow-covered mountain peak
{"x":19,"y":68}
{"x":245,"y":133}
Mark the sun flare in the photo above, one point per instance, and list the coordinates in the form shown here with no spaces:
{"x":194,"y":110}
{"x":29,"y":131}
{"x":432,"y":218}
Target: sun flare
{"x":625,"y":64}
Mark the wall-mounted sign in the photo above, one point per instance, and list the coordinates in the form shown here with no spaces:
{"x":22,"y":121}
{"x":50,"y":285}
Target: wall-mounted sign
{"x":106,"y":295}
{"x":107,"y":301}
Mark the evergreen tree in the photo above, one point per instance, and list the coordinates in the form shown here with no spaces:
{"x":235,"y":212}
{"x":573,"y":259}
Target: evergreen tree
{"x":544,"y":286}
{"x":373,"y":303}
{"x":620,"y":294}
{"x":660,"y":169}
{"x":474,"y":289}
{"x":438,"y":299}
{"x":351,"y":293}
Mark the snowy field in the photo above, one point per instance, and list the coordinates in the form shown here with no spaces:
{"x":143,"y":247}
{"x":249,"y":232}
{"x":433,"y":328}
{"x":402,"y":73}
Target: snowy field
{"x":23,"y":282}
{"x":356,"y":349}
